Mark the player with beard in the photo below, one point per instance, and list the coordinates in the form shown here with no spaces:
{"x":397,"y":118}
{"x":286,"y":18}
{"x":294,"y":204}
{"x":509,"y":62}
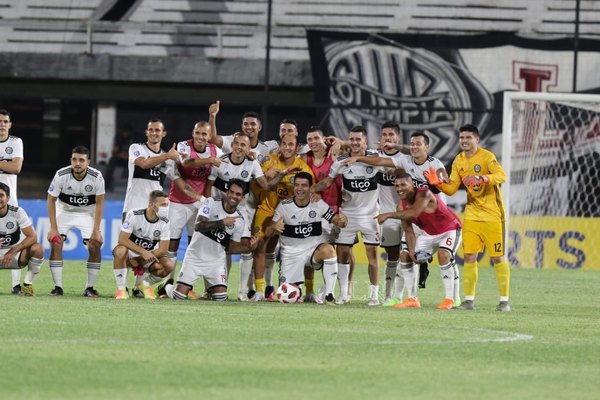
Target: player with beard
{"x":76,"y":200}
{"x":220,"y":228}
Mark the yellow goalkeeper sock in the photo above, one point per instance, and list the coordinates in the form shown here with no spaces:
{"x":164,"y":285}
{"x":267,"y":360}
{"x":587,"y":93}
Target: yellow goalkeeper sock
{"x":503,"y":277}
{"x":260,"y":285}
{"x":470,"y":280}
{"x":310,"y":285}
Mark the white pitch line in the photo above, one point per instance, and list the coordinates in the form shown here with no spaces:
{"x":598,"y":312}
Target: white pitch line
{"x":504,"y":336}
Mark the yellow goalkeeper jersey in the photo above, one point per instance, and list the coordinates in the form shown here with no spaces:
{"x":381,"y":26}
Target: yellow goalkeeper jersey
{"x":484,"y":202}
{"x":269,"y":199}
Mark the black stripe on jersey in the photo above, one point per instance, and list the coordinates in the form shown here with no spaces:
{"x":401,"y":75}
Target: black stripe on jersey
{"x":151,"y":174}
{"x":13,"y":208}
{"x":139,"y":212}
{"x":287,"y":201}
{"x":92,"y":172}
{"x":77,"y":200}
{"x":371,"y":153}
{"x":303,"y":230}
{"x":65,"y":171}
{"x":385,"y":179}
{"x":360,"y":185}
{"x":165,"y":220}
{"x":10,"y":239}
{"x":143,"y":243}
{"x":343,"y":157}
{"x":220,"y":236}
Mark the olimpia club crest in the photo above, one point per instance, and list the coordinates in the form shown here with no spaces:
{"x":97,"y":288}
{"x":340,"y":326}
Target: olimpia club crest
{"x":420,"y":90}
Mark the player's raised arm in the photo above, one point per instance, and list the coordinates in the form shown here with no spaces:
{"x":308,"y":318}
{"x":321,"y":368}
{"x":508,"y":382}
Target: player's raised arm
{"x":213,"y":110}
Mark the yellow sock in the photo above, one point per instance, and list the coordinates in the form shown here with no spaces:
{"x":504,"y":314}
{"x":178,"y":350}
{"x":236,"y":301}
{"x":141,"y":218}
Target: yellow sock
{"x":503,"y":277}
{"x":470,"y":279}
{"x":310,"y":285}
{"x":260,"y":285}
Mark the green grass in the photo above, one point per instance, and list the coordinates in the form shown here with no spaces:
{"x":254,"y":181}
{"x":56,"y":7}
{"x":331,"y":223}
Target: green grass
{"x":74,"y":347}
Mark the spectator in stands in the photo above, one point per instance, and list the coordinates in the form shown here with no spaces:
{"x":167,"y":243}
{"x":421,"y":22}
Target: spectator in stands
{"x":120,"y":154}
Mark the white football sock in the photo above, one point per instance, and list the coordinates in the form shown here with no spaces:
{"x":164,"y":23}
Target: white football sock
{"x":447,"y":274}
{"x":92,"y":273}
{"x":33,"y":268}
{"x":56,"y":269}
{"x":246,"y":261}
{"x":343,"y":272}
{"x":16,"y":277}
{"x":390,"y":277}
{"x":172,"y":255}
{"x":409,"y":272}
{"x":330,"y":272}
{"x":121,"y":278}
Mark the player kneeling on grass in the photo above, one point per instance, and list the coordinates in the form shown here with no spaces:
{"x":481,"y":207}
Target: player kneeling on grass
{"x":442,"y":232}
{"x":14,"y":252}
{"x":143,"y":242}
{"x":302,"y":243}
{"x":220,"y":228}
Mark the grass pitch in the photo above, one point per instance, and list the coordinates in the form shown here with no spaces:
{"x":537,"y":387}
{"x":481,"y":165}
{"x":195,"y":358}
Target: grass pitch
{"x":73,"y":347}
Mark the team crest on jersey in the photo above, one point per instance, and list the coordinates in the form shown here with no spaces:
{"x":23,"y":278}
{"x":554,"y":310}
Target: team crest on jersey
{"x":51,"y":188}
{"x":369,"y":170}
{"x":10,"y":225}
{"x":9,"y":150}
{"x":477,"y":168}
{"x":205,"y":210}
{"x":125,"y":224}
{"x":88,"y":188}
{"x":312,"y":213}
{"x":136,"y":153}
{"x":244,"y":174}
{"x":156,"y":233}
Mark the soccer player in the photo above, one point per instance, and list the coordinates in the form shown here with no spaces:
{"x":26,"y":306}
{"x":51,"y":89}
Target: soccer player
{"x":281,"y":166}
{"x":11,"y":161}
{"x":220,"y":228}
{"x":237,"y":165}
{"x":484,"y":222}
{"x":17,"y":252}
{"x":251,"y":126}
{"x":143,"y":242}
{"x":417,"y":164}
{"x":76,"y":200}
{"x":359,"y":203}
{"x":441,"y":232}
{"x":148,"y":165}
{"x":319,"y":158}
{"x":199,"y":160}
{"x":299,"y":224}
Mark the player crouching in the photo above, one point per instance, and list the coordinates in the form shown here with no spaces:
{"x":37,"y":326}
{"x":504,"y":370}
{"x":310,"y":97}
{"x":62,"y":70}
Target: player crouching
{"x":14,"y":252}
{"x":220,"y":228}
{"x":143,"y":242}
{"x":299,"y":224}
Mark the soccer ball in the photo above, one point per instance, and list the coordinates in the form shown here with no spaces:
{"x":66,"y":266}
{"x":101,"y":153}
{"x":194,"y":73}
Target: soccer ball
{"x":288,"y":293}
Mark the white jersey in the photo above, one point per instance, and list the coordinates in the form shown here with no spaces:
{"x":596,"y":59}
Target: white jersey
{"x":10,"y":226}
{"x":247,"y":170}
{"x":212,"y":245}
{"x":388,"y":198}
{"x":78,"y":196}
{"x":142,"y":181}
{"x":262,"y":149}
{"x":302,"y":226}
{"x":11,"y":148}
{"x":144,"y":233}
{"x":415,"y":170}
{"x":359,"y":186}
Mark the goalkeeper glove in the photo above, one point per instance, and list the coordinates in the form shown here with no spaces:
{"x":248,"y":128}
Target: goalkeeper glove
{"x":473,"y":180}
{"x":432,"y":177}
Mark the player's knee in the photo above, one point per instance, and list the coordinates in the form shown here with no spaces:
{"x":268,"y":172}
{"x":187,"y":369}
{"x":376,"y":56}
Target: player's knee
{"x":93,"y":246}
{"x":120,"y":252}
{"x":327,"y":251}
{"x":470,"y":258}
{"x":496,"y":260}
{"x":37,"y":251}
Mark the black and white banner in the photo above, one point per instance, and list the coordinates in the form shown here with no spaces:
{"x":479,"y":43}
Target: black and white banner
{"x":438,"y":83}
